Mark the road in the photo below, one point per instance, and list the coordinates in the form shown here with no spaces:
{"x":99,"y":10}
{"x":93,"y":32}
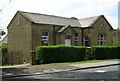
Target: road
{"x":109,"y":73}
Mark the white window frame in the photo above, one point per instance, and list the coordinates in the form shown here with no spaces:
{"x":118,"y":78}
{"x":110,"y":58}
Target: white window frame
{"x":102,"y":39}
{"x":76,"y":37}
{"x":45,"y":39}
{"x":85,"y":40}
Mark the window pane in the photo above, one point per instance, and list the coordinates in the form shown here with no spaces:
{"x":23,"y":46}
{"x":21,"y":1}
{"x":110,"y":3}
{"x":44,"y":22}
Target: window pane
{"x":44,"y":33}
{"x":86,"y":43}
{"x":76,"y":39}
{"x":45,"y":39}
{"x":101,"y":39}
{"x":44,"y":43}
{"x":101,"y":42}
{"x":76,"y":35}
{"x":86,"y":38}
{"x":67,"y":37}
{"x":76,"y":43}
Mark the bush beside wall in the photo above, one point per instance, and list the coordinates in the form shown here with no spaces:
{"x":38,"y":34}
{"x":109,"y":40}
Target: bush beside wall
{"x":105,"y":52}
{"x":118,"y":52}
{"x":53,"y":54}
{"x":4,"y":48}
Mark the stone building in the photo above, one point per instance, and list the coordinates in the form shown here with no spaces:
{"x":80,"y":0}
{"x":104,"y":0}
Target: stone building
{"x":30,"y":30}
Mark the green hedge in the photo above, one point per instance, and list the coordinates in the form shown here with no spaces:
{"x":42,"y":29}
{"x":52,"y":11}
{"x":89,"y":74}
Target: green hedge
{"x":53,"y":54}
{"x":105,"y":52}
{"x":118,"y":52}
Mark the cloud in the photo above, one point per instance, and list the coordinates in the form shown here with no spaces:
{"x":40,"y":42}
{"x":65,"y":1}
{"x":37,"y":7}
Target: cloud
{"x":93,"y":7}
{"x":113,"y":21}
{"x":66,"y":8}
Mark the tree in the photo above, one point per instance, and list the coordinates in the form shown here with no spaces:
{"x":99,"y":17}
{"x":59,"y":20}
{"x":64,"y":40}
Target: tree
{"x":4,"y":48}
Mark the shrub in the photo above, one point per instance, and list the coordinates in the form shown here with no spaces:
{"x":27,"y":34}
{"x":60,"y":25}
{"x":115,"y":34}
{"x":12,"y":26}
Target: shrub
{"x":53,"y":54}
{"x":118,"y":52}
{"x":4,"y":47}
{"x":105,"y":52}
{"x":4,"y":50}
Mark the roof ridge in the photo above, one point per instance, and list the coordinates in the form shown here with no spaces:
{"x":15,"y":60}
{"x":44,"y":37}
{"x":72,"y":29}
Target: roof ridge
{"x":96,"y":19}
{"x":49,"y":19}
{"x":89,"y":21}
{"x":90,"y":17}
{"x":45,"y":14}
{"x":63,"y":28}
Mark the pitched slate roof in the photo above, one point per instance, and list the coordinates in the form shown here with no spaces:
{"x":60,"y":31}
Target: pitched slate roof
{"x":63,"y":28}
{"x":50,"y":19}
{"x":89,"y":21}
{"x":63,"y":21}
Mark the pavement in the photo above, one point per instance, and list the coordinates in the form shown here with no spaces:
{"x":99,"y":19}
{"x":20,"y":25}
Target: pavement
{"x":29,"y":70}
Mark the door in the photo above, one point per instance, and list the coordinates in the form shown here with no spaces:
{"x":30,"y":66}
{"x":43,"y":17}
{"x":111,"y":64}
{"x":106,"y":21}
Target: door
{"x":67,"y":40}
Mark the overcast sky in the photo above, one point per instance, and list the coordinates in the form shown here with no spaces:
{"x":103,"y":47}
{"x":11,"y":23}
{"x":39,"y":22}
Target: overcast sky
{"x":65,"y":8}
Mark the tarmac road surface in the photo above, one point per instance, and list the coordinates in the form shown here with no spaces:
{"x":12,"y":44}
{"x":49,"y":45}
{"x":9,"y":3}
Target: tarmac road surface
{"x":109,"y":73}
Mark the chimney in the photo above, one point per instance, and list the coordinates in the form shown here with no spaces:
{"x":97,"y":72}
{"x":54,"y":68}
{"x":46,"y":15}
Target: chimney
{"x":73,"y":18}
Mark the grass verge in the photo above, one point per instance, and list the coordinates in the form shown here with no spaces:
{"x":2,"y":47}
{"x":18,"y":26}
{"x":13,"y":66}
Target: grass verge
{"x":81,"y":62}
